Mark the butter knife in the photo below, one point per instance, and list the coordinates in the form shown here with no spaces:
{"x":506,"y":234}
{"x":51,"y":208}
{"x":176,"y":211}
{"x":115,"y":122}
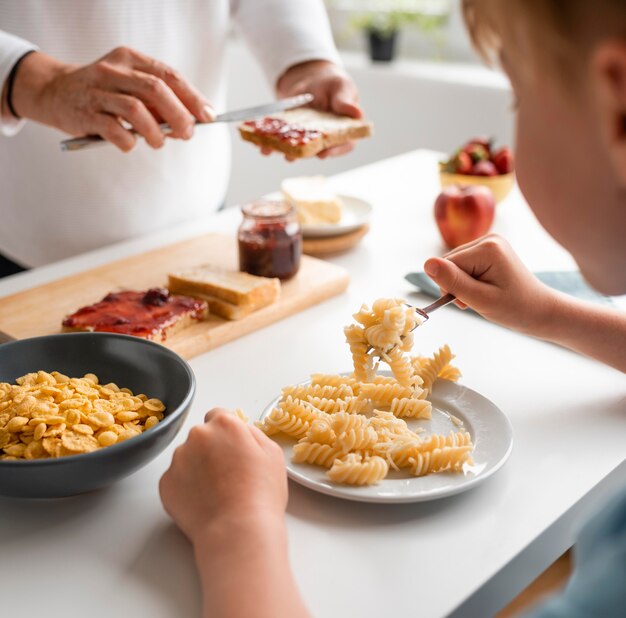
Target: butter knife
{"x":89,"y":141}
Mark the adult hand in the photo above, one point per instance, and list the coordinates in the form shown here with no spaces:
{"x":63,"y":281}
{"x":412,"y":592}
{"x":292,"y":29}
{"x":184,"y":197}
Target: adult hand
{"x":226,"y":470}
{"x":489,"y":277}
{"x":333,"y":89}
{"x":124,"y":85}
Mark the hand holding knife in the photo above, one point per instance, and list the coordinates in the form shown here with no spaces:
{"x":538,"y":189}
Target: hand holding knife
{"x":89,"y":141}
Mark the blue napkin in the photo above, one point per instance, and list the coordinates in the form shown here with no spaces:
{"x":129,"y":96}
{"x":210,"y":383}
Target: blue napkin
{"x":569,"y":282}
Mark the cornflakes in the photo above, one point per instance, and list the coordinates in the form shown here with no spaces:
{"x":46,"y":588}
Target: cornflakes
{"x":46,"y":415}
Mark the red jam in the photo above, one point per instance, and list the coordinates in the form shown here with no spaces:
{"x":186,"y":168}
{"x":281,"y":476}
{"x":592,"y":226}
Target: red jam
{"x":143,"y":314}
{"x":270,"y":240}
{"x":292,"y":134}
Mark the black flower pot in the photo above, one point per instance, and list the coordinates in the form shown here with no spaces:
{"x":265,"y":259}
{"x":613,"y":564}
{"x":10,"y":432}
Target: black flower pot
{"x":382,"y":45}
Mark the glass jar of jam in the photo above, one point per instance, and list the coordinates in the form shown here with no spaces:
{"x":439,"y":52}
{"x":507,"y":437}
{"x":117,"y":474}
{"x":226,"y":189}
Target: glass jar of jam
{"x":270,"y":240}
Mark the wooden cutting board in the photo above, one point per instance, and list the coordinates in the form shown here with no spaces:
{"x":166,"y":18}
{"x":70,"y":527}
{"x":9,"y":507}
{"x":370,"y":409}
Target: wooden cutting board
{"x":40,"y":310}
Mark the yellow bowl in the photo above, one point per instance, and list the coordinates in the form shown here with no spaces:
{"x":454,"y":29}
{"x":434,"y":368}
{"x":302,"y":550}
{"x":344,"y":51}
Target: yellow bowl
{"x":500,"y":185}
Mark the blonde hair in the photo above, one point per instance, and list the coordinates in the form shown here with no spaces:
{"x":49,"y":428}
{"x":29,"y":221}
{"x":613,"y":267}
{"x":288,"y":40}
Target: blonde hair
{"x":558,"y":31}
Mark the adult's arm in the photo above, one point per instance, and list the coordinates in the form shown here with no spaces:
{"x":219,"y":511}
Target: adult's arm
{"x":12,"y":48}
{"x":120,"y":90}
{"x":285,"y":33}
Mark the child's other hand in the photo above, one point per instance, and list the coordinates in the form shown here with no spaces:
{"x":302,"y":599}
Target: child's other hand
{"x":225,"y":469}
{"x":487,"y":276}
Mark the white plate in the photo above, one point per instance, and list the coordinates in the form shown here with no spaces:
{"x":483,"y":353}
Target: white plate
{"x":355,"y":213}
{"x":491,"y":433}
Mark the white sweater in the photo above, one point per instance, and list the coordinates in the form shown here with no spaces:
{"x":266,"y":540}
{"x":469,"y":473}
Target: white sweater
{"x":54,"y":204}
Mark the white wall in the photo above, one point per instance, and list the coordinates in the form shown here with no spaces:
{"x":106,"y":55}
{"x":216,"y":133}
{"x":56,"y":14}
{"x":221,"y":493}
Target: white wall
{"x":412,"y":104}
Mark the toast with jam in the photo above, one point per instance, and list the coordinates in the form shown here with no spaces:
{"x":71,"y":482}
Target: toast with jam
{"x":304,"y":132}
{"x":155,"y":314}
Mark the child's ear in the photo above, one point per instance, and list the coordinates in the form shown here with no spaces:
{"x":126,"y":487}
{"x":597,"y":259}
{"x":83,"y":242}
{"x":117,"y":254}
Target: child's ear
{"x":609,"y":76}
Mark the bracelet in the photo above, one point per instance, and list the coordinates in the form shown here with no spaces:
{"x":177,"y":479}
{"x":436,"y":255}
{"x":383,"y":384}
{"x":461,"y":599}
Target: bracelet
{"x":11,"y":81}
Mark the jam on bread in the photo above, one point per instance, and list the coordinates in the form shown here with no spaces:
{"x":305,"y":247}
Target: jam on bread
{"x":154,"y":314}
{"x":304,"y":132}
{"x":278,"y":129}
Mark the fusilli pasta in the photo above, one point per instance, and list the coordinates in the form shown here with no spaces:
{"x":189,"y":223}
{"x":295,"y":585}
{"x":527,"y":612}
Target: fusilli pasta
{"x":344,"y":421}
{"x":278,"y":420}
{"x":357,"y":439}
{"x":402,"y":452}
{"x":328,"y":405}
{"x":313,"y":453}
{"x":440,"y":460}
{"x":354,"y":425}
{"x":354,"y":469}
{"x":401,"y":367}
{"x":321,"y":432}
{"x":362,"y":361}
{"x":385,"y":393}
{"x":450,"y":373}
{"x":326,"y":379}
{"x":411,"y":407}
{"x":326,"y":392}
{"x":430,"y":369}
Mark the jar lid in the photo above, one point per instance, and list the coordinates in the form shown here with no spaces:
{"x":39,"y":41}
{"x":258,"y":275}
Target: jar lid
{"x":267,"y":209}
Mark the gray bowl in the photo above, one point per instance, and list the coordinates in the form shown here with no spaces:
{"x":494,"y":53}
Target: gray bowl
{"x":143,"y":366}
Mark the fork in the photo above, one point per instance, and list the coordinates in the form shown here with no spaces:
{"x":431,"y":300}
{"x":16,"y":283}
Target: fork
{"x":425,"y":312}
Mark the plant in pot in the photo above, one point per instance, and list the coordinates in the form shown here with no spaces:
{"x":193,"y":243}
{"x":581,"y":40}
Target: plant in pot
{"x":382,"y":25}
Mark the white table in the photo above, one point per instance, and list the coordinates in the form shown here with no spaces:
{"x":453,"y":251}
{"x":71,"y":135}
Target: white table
{"x":114,"y":553}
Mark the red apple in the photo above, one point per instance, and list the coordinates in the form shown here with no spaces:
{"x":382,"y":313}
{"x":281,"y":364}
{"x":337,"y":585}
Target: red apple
{"x":464,"y":213}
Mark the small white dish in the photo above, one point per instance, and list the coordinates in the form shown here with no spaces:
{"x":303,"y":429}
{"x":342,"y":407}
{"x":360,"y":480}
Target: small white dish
{"x":491,"y":433}
{"x":355,"y":213}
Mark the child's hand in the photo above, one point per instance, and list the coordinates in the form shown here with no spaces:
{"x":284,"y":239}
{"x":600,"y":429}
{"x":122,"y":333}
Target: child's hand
{"x":487,"y":276}
{"x":225,"y":469}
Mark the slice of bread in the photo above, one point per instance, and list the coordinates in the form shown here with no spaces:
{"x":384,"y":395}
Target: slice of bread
{"x":313,"y":200}
{"x":232,"y":294}
{"x":304,"y":132}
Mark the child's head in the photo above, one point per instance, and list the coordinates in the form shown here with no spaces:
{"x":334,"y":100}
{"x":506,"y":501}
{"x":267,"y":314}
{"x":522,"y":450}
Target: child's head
{"x":567,"y":63}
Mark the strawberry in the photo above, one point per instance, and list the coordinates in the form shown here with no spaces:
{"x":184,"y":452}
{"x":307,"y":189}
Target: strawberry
{"x":462,"y":163}
{"x":477,"y":152}
{"x":484,"y":168}
{"x":503,"y":160}
{"x":485,"y":142}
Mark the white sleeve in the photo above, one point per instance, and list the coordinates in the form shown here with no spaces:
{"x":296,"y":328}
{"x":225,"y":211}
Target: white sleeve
{"x":12,"y":48}
{"x":282,"y":33}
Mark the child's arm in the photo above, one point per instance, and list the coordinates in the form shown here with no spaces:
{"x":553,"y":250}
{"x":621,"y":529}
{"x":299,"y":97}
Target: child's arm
{"x":487,"y":276}
{"x":227,"y":491}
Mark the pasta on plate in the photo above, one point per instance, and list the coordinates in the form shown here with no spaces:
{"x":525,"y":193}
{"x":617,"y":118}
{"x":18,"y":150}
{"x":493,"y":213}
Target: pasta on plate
{"x":355,"y":425}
